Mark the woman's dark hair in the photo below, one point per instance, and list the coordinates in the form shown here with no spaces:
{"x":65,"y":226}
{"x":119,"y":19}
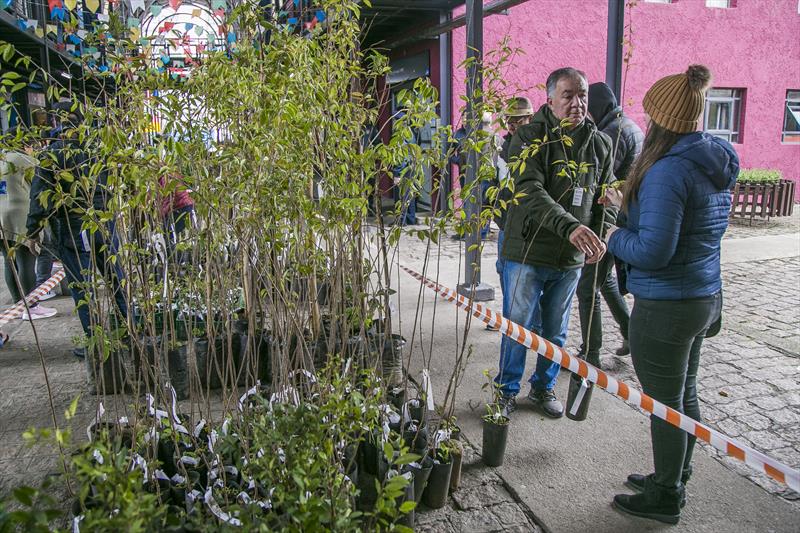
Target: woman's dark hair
{"x":657,"y":143}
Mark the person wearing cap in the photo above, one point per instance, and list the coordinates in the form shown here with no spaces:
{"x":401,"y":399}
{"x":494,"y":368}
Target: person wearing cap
{"x":552,"y":230}
{"x":627,"y":139}
{"x":677,"y":199}
{"x":67,"y":160}
{"x":519,"y":112}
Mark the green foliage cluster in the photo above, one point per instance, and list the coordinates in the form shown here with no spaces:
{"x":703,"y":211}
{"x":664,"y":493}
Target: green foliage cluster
{"x":760,"y":175}
{"x":278,"y":464}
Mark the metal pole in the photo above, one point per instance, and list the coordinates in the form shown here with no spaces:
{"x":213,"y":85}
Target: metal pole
{"x":445,"y":101}
{"x":616,"y":30}
{"x":472,"y":285}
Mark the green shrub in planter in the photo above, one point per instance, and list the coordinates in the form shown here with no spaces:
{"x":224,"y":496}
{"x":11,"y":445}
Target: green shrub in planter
{"x":760,"y":175}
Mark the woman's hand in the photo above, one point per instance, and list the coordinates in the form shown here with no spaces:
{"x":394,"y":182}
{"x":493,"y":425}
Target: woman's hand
{"x":612,"y":197}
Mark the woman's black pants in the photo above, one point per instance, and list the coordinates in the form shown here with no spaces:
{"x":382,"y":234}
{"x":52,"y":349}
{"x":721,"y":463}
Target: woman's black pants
{"x":665,"y":338}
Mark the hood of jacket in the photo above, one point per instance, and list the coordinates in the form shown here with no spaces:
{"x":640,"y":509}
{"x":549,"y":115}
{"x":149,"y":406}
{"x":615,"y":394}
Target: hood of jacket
{"x":714,"y":157}
{"x":602,"y":104}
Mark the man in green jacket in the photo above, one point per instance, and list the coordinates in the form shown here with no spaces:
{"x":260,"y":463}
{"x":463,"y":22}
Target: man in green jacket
{"x":561,"y":162}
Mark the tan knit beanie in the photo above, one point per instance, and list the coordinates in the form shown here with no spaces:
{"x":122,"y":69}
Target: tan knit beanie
{"x":676,"y":102}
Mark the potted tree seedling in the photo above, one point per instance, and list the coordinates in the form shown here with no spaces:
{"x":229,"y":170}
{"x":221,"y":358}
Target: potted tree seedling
{"x":495,"y":426}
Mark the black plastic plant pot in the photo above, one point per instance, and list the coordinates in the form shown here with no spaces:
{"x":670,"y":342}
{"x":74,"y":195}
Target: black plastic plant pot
{"x":578,"y":397}
{"x":435,"y":495}
{"x":409,"y":518}
{"x":210,"y":362}
{"x":415,"y":435}
{"x":373,"y":461}
{"x":367,"y":494}
{"x":260,"y":345}
{"x":178,"y":372}
{"x":416,"y":409}
{"x":165,"y":452}
{"x":495,"y":437}
{"x":396,"y":397}
{"x":421,"y":471}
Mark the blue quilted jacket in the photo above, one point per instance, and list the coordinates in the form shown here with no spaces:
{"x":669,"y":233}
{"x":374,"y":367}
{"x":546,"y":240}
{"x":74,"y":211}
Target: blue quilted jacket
{"x":672,"y":241}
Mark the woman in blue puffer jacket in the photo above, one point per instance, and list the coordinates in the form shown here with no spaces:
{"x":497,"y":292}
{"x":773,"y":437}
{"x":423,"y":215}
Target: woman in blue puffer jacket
{"x":677,"y":200}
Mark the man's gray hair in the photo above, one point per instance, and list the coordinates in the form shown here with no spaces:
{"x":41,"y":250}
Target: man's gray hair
{"x":558,"y":75}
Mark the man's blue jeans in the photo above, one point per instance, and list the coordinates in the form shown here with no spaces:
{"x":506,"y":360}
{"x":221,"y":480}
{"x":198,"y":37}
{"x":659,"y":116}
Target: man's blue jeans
{"x":539,"y":299}
{"x":500,"y":263}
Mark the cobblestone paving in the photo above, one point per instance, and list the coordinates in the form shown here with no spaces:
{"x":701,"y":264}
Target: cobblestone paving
{"x":482,"y":504}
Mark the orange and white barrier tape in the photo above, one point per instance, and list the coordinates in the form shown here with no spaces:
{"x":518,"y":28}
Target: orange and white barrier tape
{"x":16,"y":311}
{"x":753,"y":458}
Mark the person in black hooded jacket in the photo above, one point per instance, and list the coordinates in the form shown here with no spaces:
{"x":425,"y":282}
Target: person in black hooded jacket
{"x":627,"y":139}
{"x":67,"y":185}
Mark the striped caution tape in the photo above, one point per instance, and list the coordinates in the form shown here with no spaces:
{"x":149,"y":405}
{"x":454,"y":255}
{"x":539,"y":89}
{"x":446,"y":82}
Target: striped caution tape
{"x":16,"y":311}
{"x":753,"y":458}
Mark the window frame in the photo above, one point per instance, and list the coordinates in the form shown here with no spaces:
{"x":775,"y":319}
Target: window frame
{"x":735,"y":116}
{"x":715,"y":4}
{"x":791,"y":105}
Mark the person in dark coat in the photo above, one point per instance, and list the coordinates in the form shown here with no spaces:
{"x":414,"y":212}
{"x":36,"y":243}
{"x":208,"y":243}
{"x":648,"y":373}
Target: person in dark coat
{"x":79,"y":250}
{"x":552,"y":231}
{"x":627,"y":139}
{"x":677,"y":199}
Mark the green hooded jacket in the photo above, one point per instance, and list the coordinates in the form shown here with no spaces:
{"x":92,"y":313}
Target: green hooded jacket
{"x":538,"y":227}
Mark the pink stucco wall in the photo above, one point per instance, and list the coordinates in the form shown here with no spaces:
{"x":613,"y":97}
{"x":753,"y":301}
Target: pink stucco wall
{"x":753,"y":46}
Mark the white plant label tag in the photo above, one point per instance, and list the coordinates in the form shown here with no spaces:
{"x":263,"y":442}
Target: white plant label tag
{"x":427,"y":389}
{"x":579,"y":397}
{"x":577,"y":197}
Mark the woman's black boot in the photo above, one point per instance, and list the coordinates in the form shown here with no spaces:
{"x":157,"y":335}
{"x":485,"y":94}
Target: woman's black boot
{"x":637,"y":482}
{"x":655,"y":502}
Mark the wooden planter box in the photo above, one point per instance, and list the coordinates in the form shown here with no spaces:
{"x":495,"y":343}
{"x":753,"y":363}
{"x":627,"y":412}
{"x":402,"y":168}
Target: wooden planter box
{"x":764,"y":200}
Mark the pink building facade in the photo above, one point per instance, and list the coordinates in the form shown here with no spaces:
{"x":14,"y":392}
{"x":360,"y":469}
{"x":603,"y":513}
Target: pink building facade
{"x":752,"y":48}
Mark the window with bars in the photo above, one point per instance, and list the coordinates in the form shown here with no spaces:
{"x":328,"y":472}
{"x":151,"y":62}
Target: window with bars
{"x":791,"y":118}
{"x":723,"y":114}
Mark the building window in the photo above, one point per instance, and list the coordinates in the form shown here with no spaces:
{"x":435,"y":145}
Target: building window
{"x":659,"y":1}
{"x":791,"y":118}
{"x":723,"y":114}
{"x":723,"y":4}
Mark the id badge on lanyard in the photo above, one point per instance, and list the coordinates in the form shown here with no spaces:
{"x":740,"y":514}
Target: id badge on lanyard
{"x":577,"y":196}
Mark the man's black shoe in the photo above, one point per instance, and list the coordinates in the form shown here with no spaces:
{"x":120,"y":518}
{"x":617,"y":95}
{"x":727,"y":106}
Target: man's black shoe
{"x":547,"y":401}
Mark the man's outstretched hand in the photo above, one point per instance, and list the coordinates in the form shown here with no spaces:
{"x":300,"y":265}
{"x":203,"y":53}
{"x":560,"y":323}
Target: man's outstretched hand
{"x":587,"y":242}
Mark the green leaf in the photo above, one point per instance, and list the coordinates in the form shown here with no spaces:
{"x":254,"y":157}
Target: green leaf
{"x":73,"y":407}
{"x":25,"y":495}
{"x":407,"y":507}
